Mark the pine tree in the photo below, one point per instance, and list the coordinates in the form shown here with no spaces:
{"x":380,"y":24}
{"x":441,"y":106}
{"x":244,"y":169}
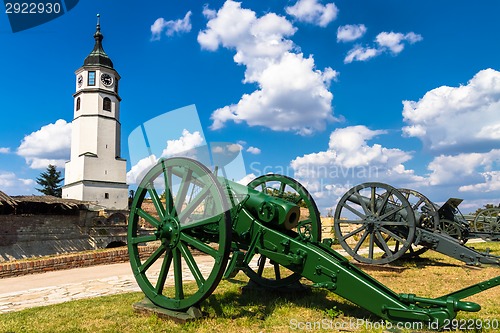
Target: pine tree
{"x":50,"y":181}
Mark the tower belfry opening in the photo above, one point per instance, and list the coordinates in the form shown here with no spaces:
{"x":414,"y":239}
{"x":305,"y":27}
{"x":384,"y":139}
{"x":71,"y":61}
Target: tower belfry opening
{"x":96,"y":172}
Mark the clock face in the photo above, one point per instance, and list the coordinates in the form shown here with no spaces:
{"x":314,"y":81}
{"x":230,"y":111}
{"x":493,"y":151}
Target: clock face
{"x":80,"y":81}
{"x":107,"y":79}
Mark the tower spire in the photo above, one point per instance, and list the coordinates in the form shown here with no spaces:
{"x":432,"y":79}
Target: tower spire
{"x":98,"y":56}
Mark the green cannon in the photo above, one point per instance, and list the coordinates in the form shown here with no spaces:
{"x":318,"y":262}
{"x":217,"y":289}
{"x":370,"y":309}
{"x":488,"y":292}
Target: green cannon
{"x":199,"y":224}
{"x":393,"y":223}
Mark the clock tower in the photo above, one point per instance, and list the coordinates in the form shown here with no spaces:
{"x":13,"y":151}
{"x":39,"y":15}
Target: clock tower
{"x":96,"y":172}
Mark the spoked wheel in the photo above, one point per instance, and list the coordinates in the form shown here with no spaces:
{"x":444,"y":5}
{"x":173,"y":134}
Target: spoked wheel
{"x":180,"y":213}
{"x":428,"y":216}
{"x":488,"y":221}
{"x":451,"y":228}
{"x":374,"y":223}
{"x":309,"y":227}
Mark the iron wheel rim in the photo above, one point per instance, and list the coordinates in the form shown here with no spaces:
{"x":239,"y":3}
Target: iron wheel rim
{"x":175,"y":229}
{"x":307,"y":230}
{"x":375,"y":224}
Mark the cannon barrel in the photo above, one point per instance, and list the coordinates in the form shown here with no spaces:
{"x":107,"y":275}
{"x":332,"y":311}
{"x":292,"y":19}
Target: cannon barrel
{"x":264,"y":207}
{"x":381,"y":204}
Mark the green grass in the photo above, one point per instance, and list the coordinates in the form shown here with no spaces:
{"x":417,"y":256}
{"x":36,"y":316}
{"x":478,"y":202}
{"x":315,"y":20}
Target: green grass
{"x":230,"y":310}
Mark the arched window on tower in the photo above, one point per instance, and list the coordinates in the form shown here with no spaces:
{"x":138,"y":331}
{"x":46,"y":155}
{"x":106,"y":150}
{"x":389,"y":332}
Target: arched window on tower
{"x":106,"y":104}
{"x":78,"y":104}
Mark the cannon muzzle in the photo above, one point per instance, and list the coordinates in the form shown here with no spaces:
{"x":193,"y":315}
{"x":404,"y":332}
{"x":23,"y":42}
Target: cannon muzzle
{"x":273,"y":210}
{"x":267,"y":208}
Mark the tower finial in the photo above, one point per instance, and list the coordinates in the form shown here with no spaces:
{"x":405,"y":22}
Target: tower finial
{"x":98,"y":56}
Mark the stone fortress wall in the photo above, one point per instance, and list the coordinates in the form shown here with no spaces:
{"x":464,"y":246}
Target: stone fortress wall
{"x":42,"y":234}
{"x":41,"y":226}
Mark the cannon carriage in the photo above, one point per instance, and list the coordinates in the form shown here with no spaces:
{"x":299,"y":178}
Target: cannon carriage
{"x":392,"y":223}
{"x":206,"y":226}
{"x":486,"y":224}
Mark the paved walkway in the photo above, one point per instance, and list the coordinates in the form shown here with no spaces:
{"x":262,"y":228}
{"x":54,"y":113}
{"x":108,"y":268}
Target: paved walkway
{"x":28,"y":291}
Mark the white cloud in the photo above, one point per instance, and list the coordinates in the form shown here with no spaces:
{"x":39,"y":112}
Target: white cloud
{"x":4,"y":150}
{"x":247,"y":179}
{"x":234,"y":147}
{"x":491,"y":183}
{"x":11,"y":184}
{"x":7,"y":179}
{"x":253,"y":150}
{"x":350,"y":32}
{"x":27,"y":182}
{"x":49,"y":145}
{"x":293,"y":95}
{"x":139,"y":170}
{"x":185,"y":143}
{"x":170,"y":27}
{"x":350,"y":160}
{"x":43,"y":163}
{"x":491,"y":132}
{"x":359,"y":53}
{"x":229,"y":26}
{"x":394,"y":41}
{"x":465,"y":168}
{"x":311,"y":11}
{"x":348,"y":148}
{"x":457,"y":118}
{"x":384,"y":42}
{"x":208,"y":12}
{"x":217,"y":149}
{"x":180,"y":147}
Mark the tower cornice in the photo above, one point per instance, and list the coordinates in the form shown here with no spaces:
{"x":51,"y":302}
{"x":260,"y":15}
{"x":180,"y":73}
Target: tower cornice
{"x":97,"y":116}
{"x":97,"y":68}
{"x":97,"y":90}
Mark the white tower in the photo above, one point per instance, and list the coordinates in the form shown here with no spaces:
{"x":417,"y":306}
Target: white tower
{"x":95,"y":171}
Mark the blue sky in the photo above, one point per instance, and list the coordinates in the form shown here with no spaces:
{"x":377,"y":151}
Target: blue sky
{"x":332,"y":93}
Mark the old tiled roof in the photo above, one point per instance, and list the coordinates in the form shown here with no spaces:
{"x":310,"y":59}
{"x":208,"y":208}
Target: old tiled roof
{"x":34,"y":204}
{"x":7,"y":204}
{"x":6,"y":200}
{"x":48,"y":200}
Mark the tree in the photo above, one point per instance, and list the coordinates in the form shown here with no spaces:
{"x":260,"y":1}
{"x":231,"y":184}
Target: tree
{"x":50,"y":180}
{"x":487,"y":206}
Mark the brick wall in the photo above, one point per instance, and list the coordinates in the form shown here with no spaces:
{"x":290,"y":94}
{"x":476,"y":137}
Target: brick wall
{"x":111,"y":256}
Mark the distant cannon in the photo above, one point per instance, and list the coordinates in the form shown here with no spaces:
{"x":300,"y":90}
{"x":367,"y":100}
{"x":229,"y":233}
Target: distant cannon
{"x":486,"y":224}
{"x":377,"y":224}
{"x":189,"y":217}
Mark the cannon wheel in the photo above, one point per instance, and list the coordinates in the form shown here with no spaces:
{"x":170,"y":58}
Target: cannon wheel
{"x":374,"y":215}
{"x":452,"y":228}
{"x":488,"y":220}
{"x":309,"y":227}
{"x":429,"y":216}
{"x":179,"y":211}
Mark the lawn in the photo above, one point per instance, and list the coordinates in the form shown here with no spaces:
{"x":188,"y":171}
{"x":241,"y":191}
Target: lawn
{"x":230,"y":310}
